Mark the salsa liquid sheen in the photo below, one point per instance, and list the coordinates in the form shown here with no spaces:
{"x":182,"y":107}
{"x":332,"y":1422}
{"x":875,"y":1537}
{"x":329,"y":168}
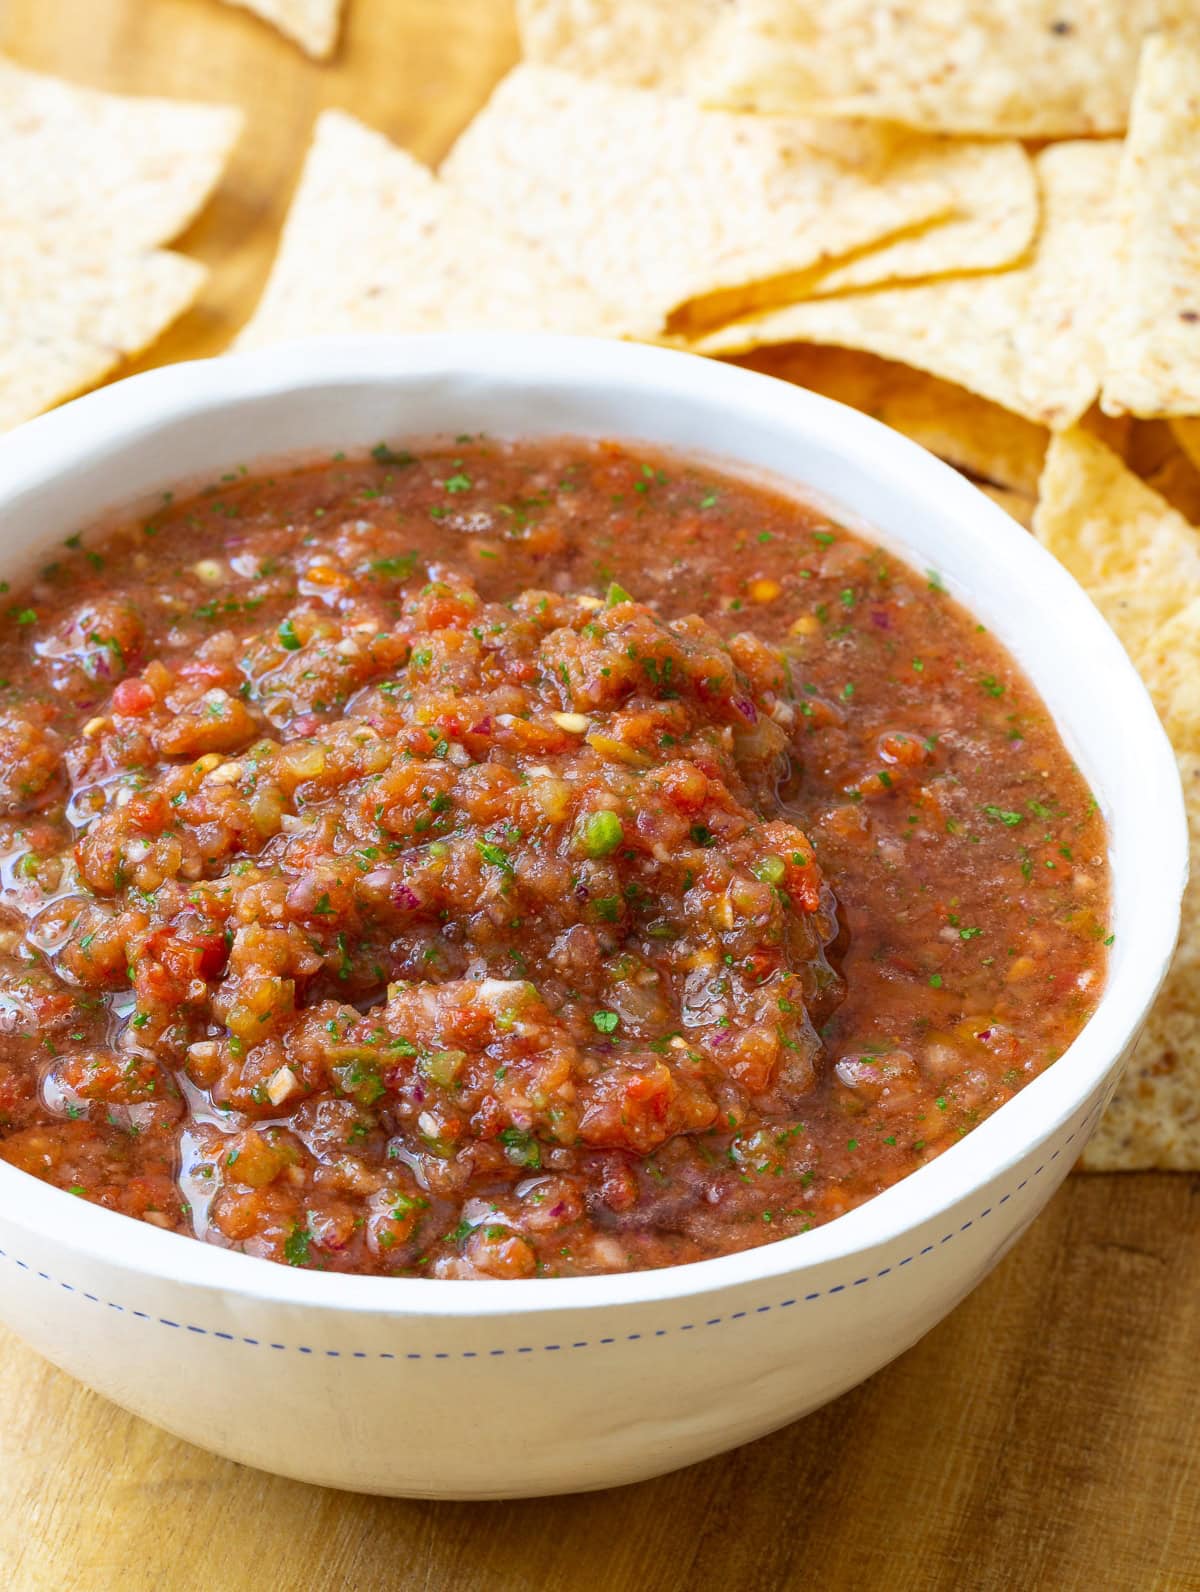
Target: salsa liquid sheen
{"x":514,"y":860}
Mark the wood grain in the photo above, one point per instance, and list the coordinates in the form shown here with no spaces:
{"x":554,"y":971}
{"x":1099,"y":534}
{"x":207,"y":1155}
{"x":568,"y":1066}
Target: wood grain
{"x":1046,"y":1435}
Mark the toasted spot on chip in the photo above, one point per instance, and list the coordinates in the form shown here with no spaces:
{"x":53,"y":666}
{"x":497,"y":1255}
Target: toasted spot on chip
{"x":375,"y":243}
{"x":1029,"y":68}
{"x":659,"y":204}
{"x":312,"y":24}
{"x":80,"y":167}
{"x":1029,"y":338}
{"x":1154,"y":342}
{"x":1136,"y":556}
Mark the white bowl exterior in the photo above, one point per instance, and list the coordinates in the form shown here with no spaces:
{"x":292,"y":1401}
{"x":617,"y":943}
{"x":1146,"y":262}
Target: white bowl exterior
{"x":449,"y":1406}
{"x":498,"y":1389}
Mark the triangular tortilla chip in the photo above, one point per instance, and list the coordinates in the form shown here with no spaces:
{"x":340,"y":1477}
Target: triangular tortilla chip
{"x":374,"y":243}
{"x":1170,"y":665}
{"x":1024,"y":68}
{"x":1140,"y":561}
{"x":65,"y":324}
{"x":1154,"y":1118}
{"x":313,"y":24}
{"x":1030,"y":339}
{"x":1136,"y":557}
{"x":974,"y":435}
{"x":1154,"y":340}
{"x":658,"y":204}
{"x":80,"y":169}
{"x":656,"y":44}
{"x":641,"y":43}
{"x":993,"y":222}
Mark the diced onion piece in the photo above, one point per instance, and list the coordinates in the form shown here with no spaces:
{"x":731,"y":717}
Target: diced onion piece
{"x":553,"y":796}
{"x":282,"y":1086}
{"x":303,"y":760}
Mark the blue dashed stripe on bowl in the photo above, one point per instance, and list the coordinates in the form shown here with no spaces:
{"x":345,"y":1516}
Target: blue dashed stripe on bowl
{"x":554,"y":1348}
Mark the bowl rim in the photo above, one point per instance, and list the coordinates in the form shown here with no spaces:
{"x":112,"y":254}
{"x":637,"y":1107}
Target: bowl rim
{"x":133,"y":410}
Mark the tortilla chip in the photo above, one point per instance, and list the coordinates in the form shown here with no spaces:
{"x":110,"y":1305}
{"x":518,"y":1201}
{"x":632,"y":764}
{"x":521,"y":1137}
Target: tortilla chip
{"x":657,"y":44}
{"x":1154,"y":341}
{"x":659,"y":205}
{"x":974,"y":435}
{"x":374,"y":243}
{"x":993,"y":220}
{"x":1138,"y":559}
{"x":1170,"y":666}
{"x":66,"y":324}
{"x":84,"y":170}
{"x":1154,"y":1118}
{"x":313,"y":24}
{"x":654,"y":43}
{"x":1024,"y":68}
{"x":641,"y":43}
{"x":1030,"y":339}
{"x":1140,"y":562}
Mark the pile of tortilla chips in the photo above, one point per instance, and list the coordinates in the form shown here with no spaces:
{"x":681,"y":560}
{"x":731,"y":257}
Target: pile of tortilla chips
{"x":979,"y":222}
{"x":90,"y":185}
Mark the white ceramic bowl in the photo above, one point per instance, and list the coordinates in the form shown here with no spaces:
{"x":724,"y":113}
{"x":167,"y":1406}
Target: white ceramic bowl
{"x":485,"y":1389}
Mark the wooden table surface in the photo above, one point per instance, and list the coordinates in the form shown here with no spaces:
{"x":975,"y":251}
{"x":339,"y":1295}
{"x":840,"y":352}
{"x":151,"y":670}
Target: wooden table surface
{"x":1046,"y":1435}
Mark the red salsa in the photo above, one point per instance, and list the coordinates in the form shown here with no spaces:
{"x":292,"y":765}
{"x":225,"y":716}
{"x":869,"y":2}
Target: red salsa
{"x":518,"y":860}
